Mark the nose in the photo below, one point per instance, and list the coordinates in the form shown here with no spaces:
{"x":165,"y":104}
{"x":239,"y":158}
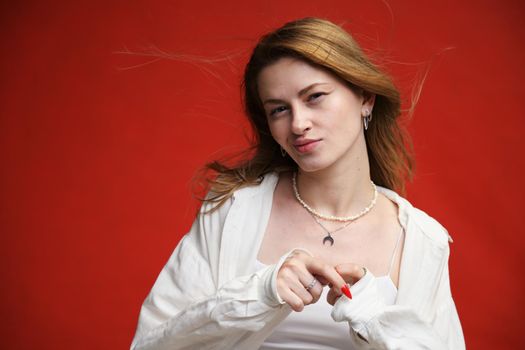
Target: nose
{"x":301,"y":120}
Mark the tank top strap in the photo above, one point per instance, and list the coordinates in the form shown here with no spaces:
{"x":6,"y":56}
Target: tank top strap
{"x":392,"y":259}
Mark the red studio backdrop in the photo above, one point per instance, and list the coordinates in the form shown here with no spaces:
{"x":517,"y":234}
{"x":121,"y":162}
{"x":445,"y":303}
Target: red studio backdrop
{"x":100,"y":139}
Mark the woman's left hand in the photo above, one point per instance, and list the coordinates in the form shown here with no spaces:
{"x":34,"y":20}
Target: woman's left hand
{"x":351,"y":273}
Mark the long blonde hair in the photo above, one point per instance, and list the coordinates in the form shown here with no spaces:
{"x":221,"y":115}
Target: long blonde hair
{"x":328,"y":46}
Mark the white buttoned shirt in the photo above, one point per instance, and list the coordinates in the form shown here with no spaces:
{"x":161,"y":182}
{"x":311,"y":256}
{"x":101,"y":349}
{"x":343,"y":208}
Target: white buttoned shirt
{"x":211,"y":295}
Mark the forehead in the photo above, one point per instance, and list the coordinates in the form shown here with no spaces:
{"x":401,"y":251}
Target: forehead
{"x":287,"y":76}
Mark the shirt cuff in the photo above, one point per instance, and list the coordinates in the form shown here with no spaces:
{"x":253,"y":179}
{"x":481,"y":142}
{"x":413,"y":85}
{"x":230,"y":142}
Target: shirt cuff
{"x":365,"y":304}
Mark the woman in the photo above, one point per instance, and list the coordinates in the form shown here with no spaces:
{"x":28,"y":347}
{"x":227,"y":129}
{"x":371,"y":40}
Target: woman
{"x":280,"y":237}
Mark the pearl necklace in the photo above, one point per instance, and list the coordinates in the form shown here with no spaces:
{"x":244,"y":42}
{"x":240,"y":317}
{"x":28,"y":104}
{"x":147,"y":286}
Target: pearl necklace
{"x":333,"y":217}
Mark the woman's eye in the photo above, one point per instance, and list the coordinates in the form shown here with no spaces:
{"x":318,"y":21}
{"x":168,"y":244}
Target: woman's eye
{"x":277,"y":110}
{"x":315,"y":96}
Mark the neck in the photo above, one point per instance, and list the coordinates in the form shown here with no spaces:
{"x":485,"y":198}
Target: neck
{"x":337,"y":191}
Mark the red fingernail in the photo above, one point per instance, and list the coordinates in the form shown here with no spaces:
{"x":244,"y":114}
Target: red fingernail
{"x":346,"y":291}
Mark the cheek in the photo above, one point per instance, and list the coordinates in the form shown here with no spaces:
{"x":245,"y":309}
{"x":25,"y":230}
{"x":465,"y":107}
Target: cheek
{"x":349,"y":116}
{"x":345,"y":125}
{"x":348,"y":109}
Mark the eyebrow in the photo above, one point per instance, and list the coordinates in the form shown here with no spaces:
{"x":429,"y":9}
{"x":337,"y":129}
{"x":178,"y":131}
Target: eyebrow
{"x":301,"y":93}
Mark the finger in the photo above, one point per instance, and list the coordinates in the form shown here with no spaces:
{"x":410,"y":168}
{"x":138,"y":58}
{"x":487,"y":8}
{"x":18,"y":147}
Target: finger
{"x":332,"y":297}
{"x":328,"y":272}
{"x":323,"y":281}
{"x":294,"y":280}
{"x":297,"y":277}
{"x":315,"y":288}
{"x":302,"y":293}
{"x":351,"y":272}
{"x":316,"y":292}
{"x":293,"y":300}
{"x":312,"y":286}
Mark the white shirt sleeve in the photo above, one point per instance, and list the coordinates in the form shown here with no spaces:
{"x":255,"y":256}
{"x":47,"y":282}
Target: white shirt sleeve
{"x":374,"y":325}
{"x":186,"y":309}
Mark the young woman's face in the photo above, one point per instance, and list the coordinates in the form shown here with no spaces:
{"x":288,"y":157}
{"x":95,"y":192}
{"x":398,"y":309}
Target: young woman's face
{"x":312,"y":114}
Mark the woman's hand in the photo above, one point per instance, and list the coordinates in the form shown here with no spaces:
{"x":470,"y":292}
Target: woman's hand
{"x":301,"y":279}
{"x":351,"y":273}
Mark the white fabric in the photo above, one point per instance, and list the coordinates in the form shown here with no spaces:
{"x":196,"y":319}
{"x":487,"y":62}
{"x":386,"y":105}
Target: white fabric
{"x":209,"y":296}
{"x":312,"y":329}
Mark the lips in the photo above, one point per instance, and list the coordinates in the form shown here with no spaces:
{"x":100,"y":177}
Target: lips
{"x":306,"y":145}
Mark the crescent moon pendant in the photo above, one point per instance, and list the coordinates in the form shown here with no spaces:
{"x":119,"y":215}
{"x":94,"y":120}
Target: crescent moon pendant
{"x":328,"y":239}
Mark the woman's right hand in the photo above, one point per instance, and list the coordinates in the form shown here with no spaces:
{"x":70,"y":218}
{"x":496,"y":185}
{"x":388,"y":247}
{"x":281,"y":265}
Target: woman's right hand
{"x":301,"y":279}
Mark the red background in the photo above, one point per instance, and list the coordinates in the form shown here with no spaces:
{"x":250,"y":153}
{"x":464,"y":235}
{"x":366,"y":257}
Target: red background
{"x":98,"y":148}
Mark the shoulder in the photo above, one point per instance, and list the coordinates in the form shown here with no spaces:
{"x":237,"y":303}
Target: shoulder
{"x":245,"y":194}
{"x":419,"y":220}
{"x":430,"y":227}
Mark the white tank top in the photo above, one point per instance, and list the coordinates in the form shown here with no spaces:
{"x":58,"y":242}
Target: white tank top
{"x":314,"y":328}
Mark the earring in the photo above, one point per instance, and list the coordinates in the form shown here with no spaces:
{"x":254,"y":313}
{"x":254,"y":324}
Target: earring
{"x":283,"y":152}
{"x":367,"y":118}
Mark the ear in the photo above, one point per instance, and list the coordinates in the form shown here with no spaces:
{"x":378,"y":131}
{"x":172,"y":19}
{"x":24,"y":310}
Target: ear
{"x":368,"y":101}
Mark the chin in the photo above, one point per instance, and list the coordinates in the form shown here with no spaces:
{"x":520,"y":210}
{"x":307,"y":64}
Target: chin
{"x":318,"y":163}
{"x":311,"y":167}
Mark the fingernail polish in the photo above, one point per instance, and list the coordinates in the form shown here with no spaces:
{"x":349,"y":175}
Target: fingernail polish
{"x":346,"y":291}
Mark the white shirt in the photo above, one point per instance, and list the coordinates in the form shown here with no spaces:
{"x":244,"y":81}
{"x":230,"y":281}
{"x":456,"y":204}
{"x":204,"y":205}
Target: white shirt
{"x":209,"y":295}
